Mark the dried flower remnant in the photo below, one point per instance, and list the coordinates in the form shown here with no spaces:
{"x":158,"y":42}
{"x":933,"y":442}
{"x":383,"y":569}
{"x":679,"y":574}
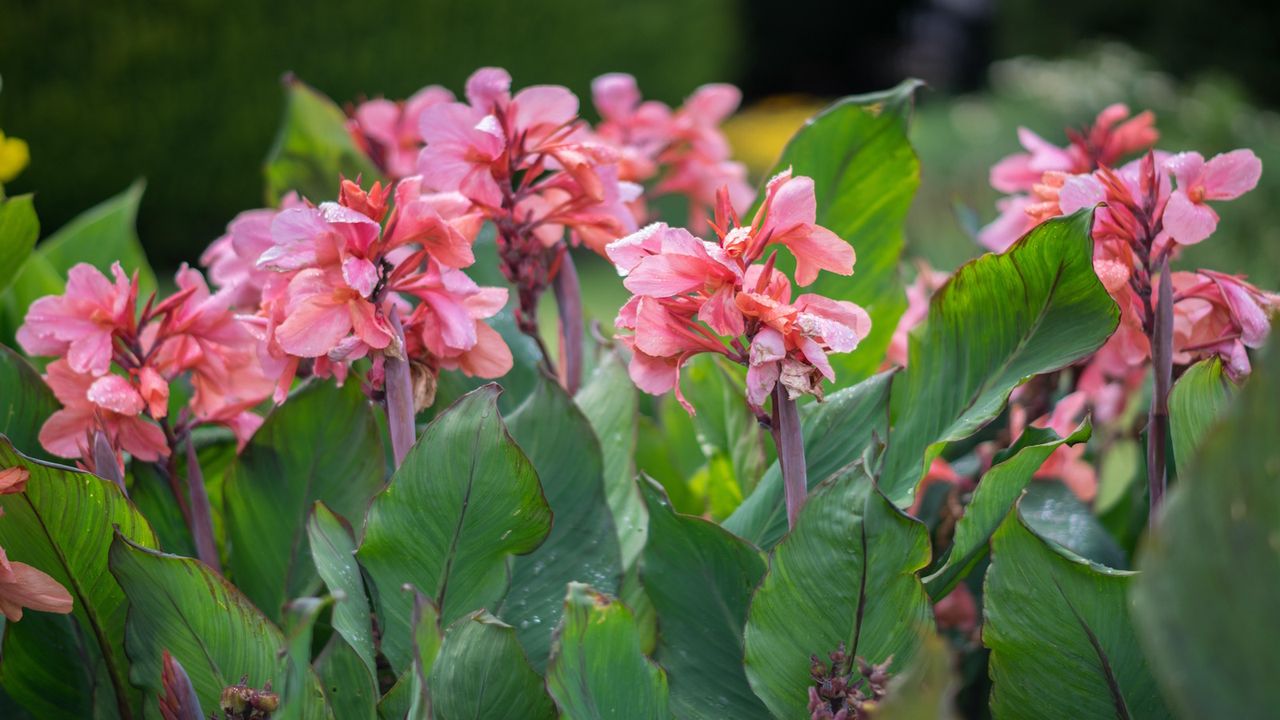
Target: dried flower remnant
{"x":242,"y":702}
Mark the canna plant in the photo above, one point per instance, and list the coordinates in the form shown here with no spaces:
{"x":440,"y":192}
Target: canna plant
{"x":339,"y":475}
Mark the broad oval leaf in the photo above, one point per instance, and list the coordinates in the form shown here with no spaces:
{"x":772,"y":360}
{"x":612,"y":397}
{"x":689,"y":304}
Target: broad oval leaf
{"x":482,"y":672}
{"x":1198,"y":399}
{"x":25,"y":403}
{"x":998,"y":321}
{"x":1205,"y":602}
{"x":597,"y":669}
{"x":865,"y":174}
{"x":700,"y":578}
{"x":465,"y":499}
{"x":333,"y":550}
{"x":313,"y":149}
{"x":996,"y":493}
{"x":583,"y":546}
{"x":837,"y":432}
{"x":349,"y":689}
{"x":609,"y":401}
{"x":845,"y":574}
{"x":19,"y":228}
{"x":322,"y":444}
{"x":1059,"y":633}
{"x":180,"y":605}
{"x":62,"y":525}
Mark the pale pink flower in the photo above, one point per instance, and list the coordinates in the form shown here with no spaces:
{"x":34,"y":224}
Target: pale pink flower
{"x":232,"y":260}
{"x":1217,"y":314}
{"x":109,"y":404}
{"x":447,"y":324}
{"x":443,"y":224}
{"x":790,"y":219}
{"x":24,"y":587}
{"x":389,"y":131}
{"x":462,"y":146}
{"x":1188,"y":217}
{"x":919,"y":294}
{"x":81,"y":322}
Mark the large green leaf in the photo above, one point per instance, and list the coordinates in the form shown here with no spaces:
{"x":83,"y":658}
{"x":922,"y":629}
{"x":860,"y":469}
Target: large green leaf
{"x":1000,"y":320}
{"x":347,"y":686}
{"x":1059,"y":633}
{"x":582,"y":546}
{"x":608,"y":399}
{"x":597,"y":670}
{"x":925,"y":690}
{"x":1206,"y":600}
{"x":19,"y":228}
{"x":465,"y":499}
{"x":180,"y":605}
{"x":333,"y":551}
{"x":726,"y":431}
{"x":865,"y":175}
{"x":25,"y":403}
{"x":1197,"y":400}
{"x":996,"y":493}
{"x":845,"y":574}
{"x":300,"y":616}
{"x":99,"y":236}
{"x":481,"y":672}
{"x":837,"y":432}
{"x":321,"y":445}
{"x":1054,"y":512}
{"x":700,"y":578}
{"x":313,"y":149}
{"x":62,"y":524}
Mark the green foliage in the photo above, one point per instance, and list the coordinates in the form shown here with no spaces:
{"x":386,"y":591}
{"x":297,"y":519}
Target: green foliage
{"x":1198,"y":399}
{"x":998,"y":321}
{"x":313,"y":148}
{"x":1059,"y":633}
{"x":865,"y":174}
{"x":1205,"y":602}
{"x":321,"y":445}
{"x":481,"y":672}
{"x":597,"y":670}
{"x":25,"y":403}
{"x":19,"y":229}
{"x":845,"y":574}
{"x":464,"y":501}
{"x":62,"y":524}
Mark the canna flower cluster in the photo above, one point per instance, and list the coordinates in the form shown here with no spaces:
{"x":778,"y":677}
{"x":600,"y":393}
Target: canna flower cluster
{"x":321,"y":287}
{"x":115,"y":365}
{"x":389,"y":131}
{"x":692,"y":296}
{"x":680,"y":151}
{"x":22,"y":586}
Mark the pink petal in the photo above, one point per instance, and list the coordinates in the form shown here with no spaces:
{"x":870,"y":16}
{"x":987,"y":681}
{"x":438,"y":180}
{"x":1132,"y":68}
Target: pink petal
{"x":91,"y":352}
{"x":712,"y":103}
{"x":720,"y":312}
{"x":615,"y":95}
{"x":142,"y":439}
{"x":817,"y":248}
{"x":487,"y":86}
{"x":489,"y":357}
{"x":116,"y":394}
{"x":1186,"y":167}
{"x":314,"y":327}
{"x":761,"y":379}
{"x":1188,"y":222}
{"x":669,"y":275}
{"x":1014,"y":174}
{"x":1230,"y":175}
{"x":360,"y":275}
{"x":1080,"y":192}
{"x":13,"y":480}
{"x":22,"y":586}
{"x":543,"y":105}
{"x":65,"y":431}
{"x":654,"y":375}
{"x":368,"y":325}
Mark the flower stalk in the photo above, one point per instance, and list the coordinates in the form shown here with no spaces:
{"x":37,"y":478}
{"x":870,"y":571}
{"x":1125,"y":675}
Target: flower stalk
{"x":569,"y":302}
{"x":201,"y":517}
{"x":399,"y":397}
{"x":1161,"y":334}
{"x":789,"y":441}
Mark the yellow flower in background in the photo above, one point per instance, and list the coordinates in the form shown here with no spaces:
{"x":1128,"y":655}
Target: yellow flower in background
{"x":758,"y":133}
{"x":14,"y":156}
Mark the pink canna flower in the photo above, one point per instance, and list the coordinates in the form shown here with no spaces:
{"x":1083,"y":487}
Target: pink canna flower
{"x":110,"y":404}
{"x":232,"y":260}
{"x":446,"y":328}
{"x":1217,"y":314}
{"x":13,"y":480}
{"x":1188,"y":217}
{"x":919,"y":294}
{"x":389,"y":131}
{"x":25,"y":587}
{"x":81,"y":322}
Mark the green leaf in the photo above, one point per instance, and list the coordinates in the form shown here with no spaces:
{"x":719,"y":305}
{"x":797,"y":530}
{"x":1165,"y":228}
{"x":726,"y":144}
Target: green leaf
{"x":597,"y":670}
{"x":35,"y":279}
{"x":925,"y":690}
{"x":1198,"y":399}
{"x":408,"y":699}
{"x":1059,"y":633}
{"x":837,"y":432}
{"x":996,"y":493}
{"x":727,"y":431}
{"x":180,"y":605}
{"x":333,"y":551}
{"x":481,"y":672}
{"x":608,"y":399}
{"x":313,"y":148}
{"x":19,"y":228}
{"x":62,"y":525}
{"x":582,"y":546}
{"x":1053,"y":511}
{"x":845,"y":574}
{"x":700,"y":578}
{"x":348,"y":688}
{"x":43,"y":669}
{"x":25,"y":403}
{"x":100,"y":236}
{"x":865,"y":175}
{"x":465,"y":499}
{"x":1205,"y":602}
{"x":300,"y":616}
{"x":321,"y":445}
{"x":1000,"y":320}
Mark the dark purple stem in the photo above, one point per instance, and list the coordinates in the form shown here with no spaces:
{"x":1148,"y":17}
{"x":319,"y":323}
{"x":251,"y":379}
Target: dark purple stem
{"x":789,"y":440}
{"x":201,"y":515}
{"x":399,"y":398}
{"x":569,"y":302}
{"x":1162,"y":367}
{"x":105,"y":464}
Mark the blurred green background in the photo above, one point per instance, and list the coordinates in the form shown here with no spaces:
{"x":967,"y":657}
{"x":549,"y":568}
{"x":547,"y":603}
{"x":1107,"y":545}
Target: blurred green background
{"x":187,"y":93}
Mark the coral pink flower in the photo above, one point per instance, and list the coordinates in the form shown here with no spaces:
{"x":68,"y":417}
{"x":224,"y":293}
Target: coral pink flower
{"x":919,"y":294}
{"x":110,"y":404}
{"x":1188,"y":217}
{"x":462,"y":145}
{"x":232,"y":260}
{"x":447,"y":323}
{"x":1217,"y":314}
{"x":789,"y":218}
{"x":13,"y":480}
{"x":389,"y":131}
{"x":22,"y":586}
{"x":81,"y":322}
{"x":1017,"y":173}
{"x":444,"y":224}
